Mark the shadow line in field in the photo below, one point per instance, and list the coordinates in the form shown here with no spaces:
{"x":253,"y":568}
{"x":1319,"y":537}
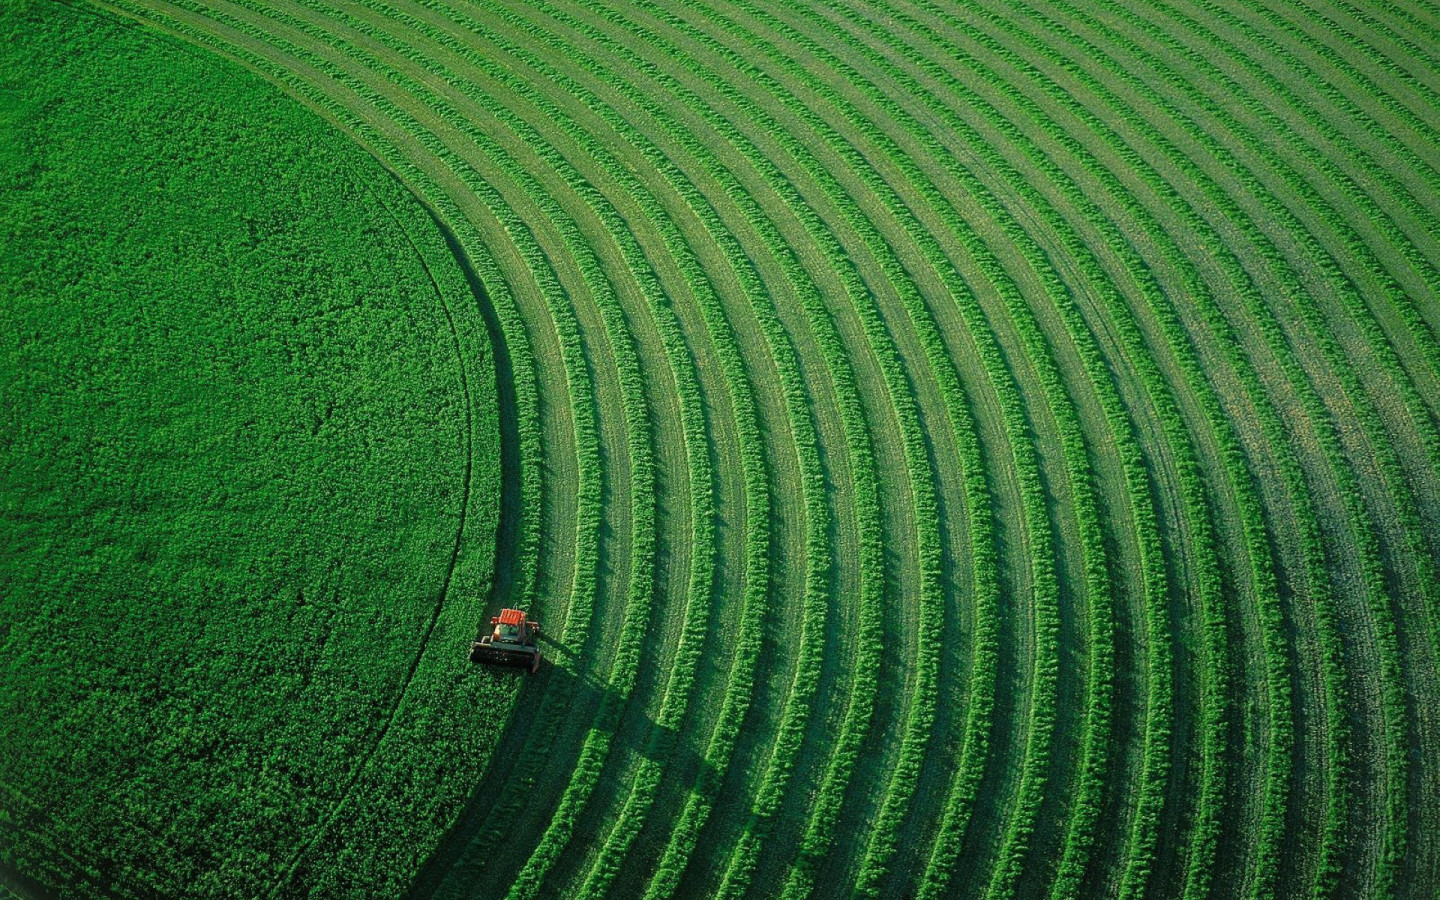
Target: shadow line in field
{"x":508,"y":528}
{"x":451,"y":869}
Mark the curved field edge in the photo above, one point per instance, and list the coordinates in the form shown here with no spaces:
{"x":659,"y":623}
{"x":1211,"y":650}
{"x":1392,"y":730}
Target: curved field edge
{"x":392,"y":776}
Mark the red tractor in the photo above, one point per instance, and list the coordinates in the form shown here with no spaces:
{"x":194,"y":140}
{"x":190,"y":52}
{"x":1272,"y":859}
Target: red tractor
{"x":515,"y":641}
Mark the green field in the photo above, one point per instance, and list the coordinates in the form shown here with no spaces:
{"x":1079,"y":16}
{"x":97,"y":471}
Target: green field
{"x":981,"y":449}
{"x":250,"y":476}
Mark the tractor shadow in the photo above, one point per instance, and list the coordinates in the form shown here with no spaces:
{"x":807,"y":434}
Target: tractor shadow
{"x":530,"y":768}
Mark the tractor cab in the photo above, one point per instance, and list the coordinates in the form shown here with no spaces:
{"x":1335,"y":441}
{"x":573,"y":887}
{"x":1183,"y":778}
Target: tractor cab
{"x":514,"y":640}
{"x":507,"y":633}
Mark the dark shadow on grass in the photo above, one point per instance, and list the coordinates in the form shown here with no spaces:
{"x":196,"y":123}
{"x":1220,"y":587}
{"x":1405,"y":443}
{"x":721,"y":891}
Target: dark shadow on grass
{"x":507,"y":530}
{"x":528,"y":737}
{"x":24,"y":887}
{"x":555,"y":648}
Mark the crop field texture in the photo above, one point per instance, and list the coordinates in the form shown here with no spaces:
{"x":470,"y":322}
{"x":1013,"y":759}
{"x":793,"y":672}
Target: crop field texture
{"x":250,"y":476}
{"x":960,"y":449}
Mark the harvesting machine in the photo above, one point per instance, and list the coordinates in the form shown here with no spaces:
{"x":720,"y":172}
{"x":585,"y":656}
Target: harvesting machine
{"x":515,"y":641}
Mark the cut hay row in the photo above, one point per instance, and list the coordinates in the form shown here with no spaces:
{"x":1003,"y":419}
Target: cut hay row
{"x":905,"y":770}
{"x":1316,"y":323}
{"x":1241,"y":283}
{"x":1036,"y":351}
{"x":834,"y":358}
{"x":873,"y":865}
{"x":817,"y":583}
{"x":1209,"y":588}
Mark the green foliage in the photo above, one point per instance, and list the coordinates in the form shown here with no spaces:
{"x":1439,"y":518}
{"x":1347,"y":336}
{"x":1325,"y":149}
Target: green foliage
{"x":858,"y":350}
{"x":251,"y":473}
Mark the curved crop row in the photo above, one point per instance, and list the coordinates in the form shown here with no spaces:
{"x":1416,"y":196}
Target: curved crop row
{"x":1262,"y":573}
{"x":1097,"y":578}
{"x":867,"y":503}
{"x":834,"y":357}
{"x":1380,"y":608}
{"x":1345,"y":283}
{"x":1415,"y":26}
{"x":1093,"y":556}
{"x":1380,"y":343}
{"x":882,"y":843}
{"x":1225,"y":202}
{"x":1035,"y":350}
{"x":1313,"y":551}
{"x":570,"y":795}
{"x":1424,"y":128}
{"x":911,"y":745}
{"x":755,"y":534}
{"x":884,"y":830}
{"x":863,"y":876}
{"x":857,"y":711}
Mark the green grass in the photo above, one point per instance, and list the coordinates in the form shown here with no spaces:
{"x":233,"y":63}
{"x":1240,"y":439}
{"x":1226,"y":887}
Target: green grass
{"x":960,"y":449}
{"x":251,"y":477}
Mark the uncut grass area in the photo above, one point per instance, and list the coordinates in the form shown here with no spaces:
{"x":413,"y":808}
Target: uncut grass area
{"x":249,"y":483}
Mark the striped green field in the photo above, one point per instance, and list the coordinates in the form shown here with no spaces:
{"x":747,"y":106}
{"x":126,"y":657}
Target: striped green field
{"x":983,"y":449}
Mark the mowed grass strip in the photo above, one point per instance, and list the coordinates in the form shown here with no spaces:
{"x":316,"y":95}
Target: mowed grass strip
{"x":854,"y":425}
{"x":885,"y":830}
{"x":1240,"y":216}
{"x":1255,"y":524}
{"x":631,"y":818}
{"x":557,"y":838}
{"x":1198,"y":867}
{"x":1076,"y":447}
{"x":809,"y":643}
{"x":913,"y":758}
{"x":597,"y":744}
{"x":730,"y":882}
